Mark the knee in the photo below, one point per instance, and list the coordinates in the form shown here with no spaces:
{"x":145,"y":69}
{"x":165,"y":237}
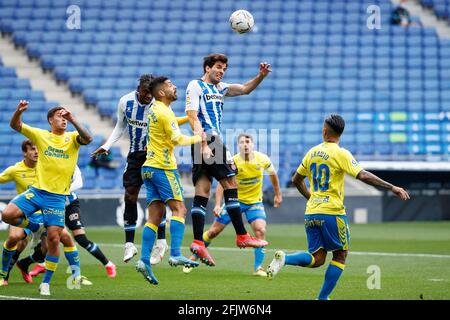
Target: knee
{"x":15,"y":237}
{"x":131,"y":195}
{"x":67,"y":240}
{"x":180,"y":211}
{"x":319,"y":259}
{"x":53,"y":240}
{"x":340,"y":256}
{"x":7,"y":216}
{"x":260,"y":233}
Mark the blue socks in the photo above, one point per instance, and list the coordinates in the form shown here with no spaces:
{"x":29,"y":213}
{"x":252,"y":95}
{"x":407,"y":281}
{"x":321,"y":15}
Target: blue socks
{"x":7,"y":255}
{"x":72,"y":257}
{"x":148,"y":239}
{"x":176,"y":235}
{"x":259,"y":257}
{"x":332,"y":275}
{"x":303,"y":258}
{"x":51,"y":262}
{"x":334,"y":270}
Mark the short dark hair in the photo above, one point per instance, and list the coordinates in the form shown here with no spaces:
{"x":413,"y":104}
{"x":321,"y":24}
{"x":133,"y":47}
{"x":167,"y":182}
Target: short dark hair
{"x":211,"y":59}
{"x":52,"y":112}
{"x":145,"y":80}
{"x":336,"y":123}
{"x":245,"y":135}
{"x":25,"y":144}
{"x":156,"y":83}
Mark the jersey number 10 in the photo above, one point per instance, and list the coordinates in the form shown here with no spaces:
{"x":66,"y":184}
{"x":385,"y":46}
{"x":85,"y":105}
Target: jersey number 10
{"x":317,"y":176}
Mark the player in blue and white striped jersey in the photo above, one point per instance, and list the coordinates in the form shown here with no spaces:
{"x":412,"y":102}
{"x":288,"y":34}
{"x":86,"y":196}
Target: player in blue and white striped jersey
{"x":211,"y":159}
{"x":132,"y":114}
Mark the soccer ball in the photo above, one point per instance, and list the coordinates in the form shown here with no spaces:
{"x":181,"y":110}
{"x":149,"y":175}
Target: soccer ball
{"x":241,"y":21}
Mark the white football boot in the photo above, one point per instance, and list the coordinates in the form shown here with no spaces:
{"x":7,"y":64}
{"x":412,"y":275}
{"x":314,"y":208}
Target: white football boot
{"x":158,"y":251}
{"x":44,"y":289}
{"x":130,"y":251}
{"x":276,"y":264}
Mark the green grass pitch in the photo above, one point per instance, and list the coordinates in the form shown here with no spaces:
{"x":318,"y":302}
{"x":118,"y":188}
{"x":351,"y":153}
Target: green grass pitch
{"x":419,"y":269}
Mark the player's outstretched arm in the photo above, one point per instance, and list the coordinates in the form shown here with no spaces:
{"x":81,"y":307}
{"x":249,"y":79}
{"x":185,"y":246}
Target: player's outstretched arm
{"x":173,"y":131}
{"x":115,"y":135}
{"x":182,"y":120}
{"x":16,"y":121}
{"x":299,"y":182}
{"x":84,"y":135}
{"x":278,"y":198}
{"x":373,"y":180}
{"x":236,"y":89}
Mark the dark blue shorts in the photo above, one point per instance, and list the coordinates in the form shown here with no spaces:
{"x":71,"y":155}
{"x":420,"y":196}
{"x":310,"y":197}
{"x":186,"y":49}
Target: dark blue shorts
{"x":327,"y":231}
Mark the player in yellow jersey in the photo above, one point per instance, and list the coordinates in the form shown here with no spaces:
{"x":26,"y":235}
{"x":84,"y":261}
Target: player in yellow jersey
{"x":251,"y":166}
{"x":325,"y":166}
{"x":58,"y":155}
{"x":23,"y":173}
{"x":161,"y":177}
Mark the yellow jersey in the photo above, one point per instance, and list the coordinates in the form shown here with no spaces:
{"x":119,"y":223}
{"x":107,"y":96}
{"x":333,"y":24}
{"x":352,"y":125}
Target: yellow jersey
{"x":58,"y":156}
{"x":250,"y":176}
{"x":325,"y":165}
{"x":163,"y":135}
{"x":22,"y":175}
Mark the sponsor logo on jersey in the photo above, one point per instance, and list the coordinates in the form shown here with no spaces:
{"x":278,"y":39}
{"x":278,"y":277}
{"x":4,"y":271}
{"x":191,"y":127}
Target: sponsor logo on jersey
{"x":213,"y":96}
{"x":137,"y":123}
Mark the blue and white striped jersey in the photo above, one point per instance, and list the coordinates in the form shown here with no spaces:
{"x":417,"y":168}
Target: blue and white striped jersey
{"x":207,"y":99}
{"x":134,"y":116}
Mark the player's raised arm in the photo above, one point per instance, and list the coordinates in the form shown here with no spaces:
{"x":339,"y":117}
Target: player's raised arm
{"x":373,"y":180}
{"x":84,"y":137}
{"x":16,"y":121}
{"x":241,"y":89}
{"x":299,"y":182}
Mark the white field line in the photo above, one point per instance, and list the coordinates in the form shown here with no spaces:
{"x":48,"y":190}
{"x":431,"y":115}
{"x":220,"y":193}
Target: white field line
{"x":356,"y":253}
{"x":19,"y":298}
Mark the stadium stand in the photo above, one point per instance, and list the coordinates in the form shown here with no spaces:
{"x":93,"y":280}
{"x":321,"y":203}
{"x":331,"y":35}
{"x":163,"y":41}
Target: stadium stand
{"x":440,"y":7}
{"x":391,"y":85}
